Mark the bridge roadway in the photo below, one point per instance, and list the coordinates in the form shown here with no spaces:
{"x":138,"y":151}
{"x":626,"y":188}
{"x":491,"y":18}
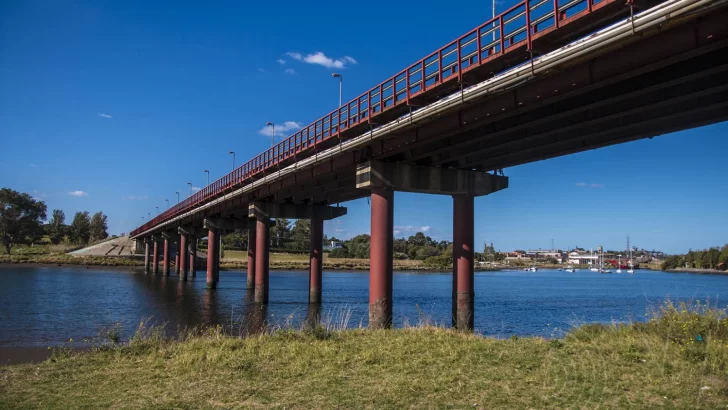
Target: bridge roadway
{"x":598,"y":77}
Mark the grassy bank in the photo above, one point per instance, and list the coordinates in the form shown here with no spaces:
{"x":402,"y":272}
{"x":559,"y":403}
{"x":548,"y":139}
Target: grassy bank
{"x":677,"y":360}
{"x":239,"y":259}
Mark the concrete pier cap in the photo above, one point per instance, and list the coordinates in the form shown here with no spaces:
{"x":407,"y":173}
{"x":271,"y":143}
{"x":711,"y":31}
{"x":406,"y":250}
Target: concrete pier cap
{"x":404,"y":177}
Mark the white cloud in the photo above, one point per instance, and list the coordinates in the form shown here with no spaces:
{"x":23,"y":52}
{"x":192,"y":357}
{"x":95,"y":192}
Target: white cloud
{"x":78,"y":193}
{"x":33,"y":166}
{"x":290,"y":71}
{"x":585,"y":185}
{"x":196,"y":188}
{"x":321,"y":59}
{"x":281,"y":61}
{"x":260,"y":70}
{"x":105,"y":115}
{"x":136,"y":198}
{"x":281,"y":129}
{"x":410,"y":229}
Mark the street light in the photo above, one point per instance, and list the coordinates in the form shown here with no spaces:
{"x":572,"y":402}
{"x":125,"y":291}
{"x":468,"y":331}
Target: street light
{"x":190,"y":184}
{"x":177,"y":192}
{"x":142,"y":219}
{"x":167,"y":200}
{"x":341,"y":80}
{"x":233,"y":154}
{"x":150,"y":215}
{"x":208,"y":177}
{"x":273,"y":133}
{"x":157,"y":210}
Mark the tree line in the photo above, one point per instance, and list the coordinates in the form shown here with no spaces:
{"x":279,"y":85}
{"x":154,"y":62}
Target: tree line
{"x":22,"y":221}
{"x":711,"y":258}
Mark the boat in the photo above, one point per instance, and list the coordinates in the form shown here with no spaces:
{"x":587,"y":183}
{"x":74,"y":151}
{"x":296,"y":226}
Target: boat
{"x":601,"y":262}
{"x":619,"y":264}
{"x":533,"y":269}
{"x":570,"y":269}
{"x":593,"y":268}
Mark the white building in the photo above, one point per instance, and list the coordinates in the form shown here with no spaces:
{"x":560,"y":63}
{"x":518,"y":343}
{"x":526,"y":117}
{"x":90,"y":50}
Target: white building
{"x":583,"y":258}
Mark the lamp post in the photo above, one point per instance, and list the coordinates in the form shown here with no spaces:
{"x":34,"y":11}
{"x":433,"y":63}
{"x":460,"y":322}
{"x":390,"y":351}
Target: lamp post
{"x":190,"y":184}
{"x":341,"y":81}
{"x":273,"y":133}
{"x":157,"y":210}
{"x":142,"y":219}
{"x":167,"y":201}
{"x":177,"y":192}
{"x":208,"y":176}
{"x":150,"y":215}
{"x":233,"y":154}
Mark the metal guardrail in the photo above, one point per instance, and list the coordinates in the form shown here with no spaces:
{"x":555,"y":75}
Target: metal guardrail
{"x":507,"y":31}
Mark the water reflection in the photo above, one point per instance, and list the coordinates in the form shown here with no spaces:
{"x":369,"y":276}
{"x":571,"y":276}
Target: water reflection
{"x":41,"y":306}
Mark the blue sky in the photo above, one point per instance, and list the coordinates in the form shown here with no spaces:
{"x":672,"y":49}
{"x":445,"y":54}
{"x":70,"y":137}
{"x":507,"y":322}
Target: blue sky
{"x":114,"y":106}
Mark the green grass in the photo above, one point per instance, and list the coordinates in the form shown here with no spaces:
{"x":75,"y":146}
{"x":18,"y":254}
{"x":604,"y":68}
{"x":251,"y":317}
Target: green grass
{"x":677,"y":360}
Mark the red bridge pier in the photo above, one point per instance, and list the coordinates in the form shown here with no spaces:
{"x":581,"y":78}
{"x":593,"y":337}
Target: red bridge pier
{"x":165,"y":256}
{"x":193,"y":255}
{"x":183,"y":254}
{"x":381,"y":258}
{"x":147,"y":255}
{"x":213,"y":255}
{"x":252,"y":242}
{"x":316,"y":260}
{"x":262,"y":247}
{"x":155,"y":259}
{"x":262,"y":212}
{"x":383,"y":179}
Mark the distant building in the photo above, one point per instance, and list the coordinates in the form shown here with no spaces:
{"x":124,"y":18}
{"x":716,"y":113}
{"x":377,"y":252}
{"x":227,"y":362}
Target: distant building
{"x":547,"y":254}
{"x":333,"y":245}
{"x":583,"y":258}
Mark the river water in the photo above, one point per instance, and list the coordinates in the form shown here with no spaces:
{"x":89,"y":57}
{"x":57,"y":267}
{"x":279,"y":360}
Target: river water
{"x":45,"y":306}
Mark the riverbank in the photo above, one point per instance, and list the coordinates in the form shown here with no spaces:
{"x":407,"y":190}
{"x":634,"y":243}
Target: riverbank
{"x":278,"y":261}
{"x":678,"y":361}
{"x":696,"y":270}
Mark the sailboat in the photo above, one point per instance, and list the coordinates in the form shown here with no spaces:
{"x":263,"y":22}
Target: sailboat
{"x":593,"y":268}
{"x":601,"y":262}
{"x":631,"y":266}
{"x":619,"y":264}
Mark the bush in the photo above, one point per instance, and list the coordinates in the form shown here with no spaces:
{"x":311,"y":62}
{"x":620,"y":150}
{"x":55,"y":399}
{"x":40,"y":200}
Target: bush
{"x":339,"y":253}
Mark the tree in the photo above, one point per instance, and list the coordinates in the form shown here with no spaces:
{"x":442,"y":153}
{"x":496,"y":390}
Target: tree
{"x":279,"y":233}
{"x":56,"y":228}
{"x":80,"y":230}
{"x":301,"y":234}
{"x":21,"y":218}
{"x":418,"y":239}
{"x":724,"y":256}
{"x":98,"y":227}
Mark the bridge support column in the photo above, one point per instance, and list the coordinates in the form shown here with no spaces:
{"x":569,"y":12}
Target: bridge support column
{"x":176,"y":258}
{"x":263,"y":211}
{"x":463,"y":185}
{"x":252,"y":241}
{"x":155,"y":258}
{"x":212,"y":258}
{"x":316,"y":260}
{"x":262,"y":248}
{"x":193,"y":255}
{"x":146,"y":255}
{"x":463,"y":251}
{"x":184,"y":256}
{"x":165,"y":257}
{"x":380,"y":258}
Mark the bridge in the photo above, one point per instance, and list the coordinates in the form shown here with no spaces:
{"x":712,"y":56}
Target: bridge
{"x":543,"y":79}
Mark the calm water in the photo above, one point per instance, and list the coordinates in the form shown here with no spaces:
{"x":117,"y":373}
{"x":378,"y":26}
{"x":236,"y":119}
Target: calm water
{"x":41,"y":306}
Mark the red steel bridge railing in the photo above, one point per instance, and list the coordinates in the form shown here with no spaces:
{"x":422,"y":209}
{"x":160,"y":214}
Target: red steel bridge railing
{"x":492,"y":39}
